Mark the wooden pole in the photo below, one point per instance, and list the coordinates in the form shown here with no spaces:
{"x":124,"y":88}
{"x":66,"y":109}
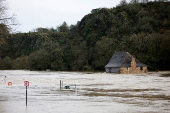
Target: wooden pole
{"x":26,"y":95}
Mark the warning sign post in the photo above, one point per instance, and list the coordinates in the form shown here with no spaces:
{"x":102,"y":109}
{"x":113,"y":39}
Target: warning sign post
{"x":26,"y":83}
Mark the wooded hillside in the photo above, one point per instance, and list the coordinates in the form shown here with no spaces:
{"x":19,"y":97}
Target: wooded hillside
{"x":142,"y":29}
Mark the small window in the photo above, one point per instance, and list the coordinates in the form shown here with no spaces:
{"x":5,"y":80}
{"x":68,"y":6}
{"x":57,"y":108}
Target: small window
{"x":127,"y":69}
{"x":141,"y":68}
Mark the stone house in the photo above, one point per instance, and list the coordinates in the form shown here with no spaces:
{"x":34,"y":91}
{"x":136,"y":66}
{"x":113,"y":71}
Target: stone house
{"x":125,"y":63}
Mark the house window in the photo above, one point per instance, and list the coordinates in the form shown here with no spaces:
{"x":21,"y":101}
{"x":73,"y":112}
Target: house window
{"x":141,"y":68}
{"x":127,"y":69}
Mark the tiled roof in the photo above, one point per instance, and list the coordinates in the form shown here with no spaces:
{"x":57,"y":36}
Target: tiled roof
{"x":122,"y":59}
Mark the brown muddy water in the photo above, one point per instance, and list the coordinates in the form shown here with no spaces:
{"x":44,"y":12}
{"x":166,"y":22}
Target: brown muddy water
{"x":94,"y":93}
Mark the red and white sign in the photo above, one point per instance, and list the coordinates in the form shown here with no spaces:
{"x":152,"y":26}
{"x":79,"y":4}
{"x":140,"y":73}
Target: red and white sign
{"x":26,"y":83}
{"x":9,"y":83}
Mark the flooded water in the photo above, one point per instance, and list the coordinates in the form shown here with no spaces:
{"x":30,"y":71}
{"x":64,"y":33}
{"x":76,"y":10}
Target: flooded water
{"x":94,"y":92}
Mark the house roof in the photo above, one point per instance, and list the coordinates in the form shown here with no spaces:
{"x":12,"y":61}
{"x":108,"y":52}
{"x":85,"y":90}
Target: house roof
{"x":123,"y":59}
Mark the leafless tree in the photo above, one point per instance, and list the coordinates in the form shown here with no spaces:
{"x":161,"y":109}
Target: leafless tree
{"x":6,"y":21}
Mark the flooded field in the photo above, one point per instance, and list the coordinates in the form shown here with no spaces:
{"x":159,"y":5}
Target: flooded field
{"x":94,"y":92}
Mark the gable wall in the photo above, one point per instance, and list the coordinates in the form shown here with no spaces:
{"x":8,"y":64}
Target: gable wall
{"x":133,"y":69}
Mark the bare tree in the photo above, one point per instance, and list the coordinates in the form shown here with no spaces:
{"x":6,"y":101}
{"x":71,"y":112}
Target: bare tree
{"x":6,"y":21}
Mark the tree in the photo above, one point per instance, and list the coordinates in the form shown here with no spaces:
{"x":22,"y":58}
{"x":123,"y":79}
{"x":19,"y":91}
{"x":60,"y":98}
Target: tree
{"x":1,"y":63}
{"x":139,"y":28}
{"x":39,"y":60}
{"x":123,"y":2}
{"x":4,"y":31}
{"x":63,"y":28}
{"x":5,"y":19}
{"x":134,"y":1}
{"x":103,"y":51}
{"x":58,"y":61}
{"x":78,"y":55}
{"x":7,"y":63}
{"x":6,"y":22}
{"x":20,"y":63}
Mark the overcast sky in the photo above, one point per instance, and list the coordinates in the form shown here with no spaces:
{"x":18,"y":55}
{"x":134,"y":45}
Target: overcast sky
{"x":32,"y":14}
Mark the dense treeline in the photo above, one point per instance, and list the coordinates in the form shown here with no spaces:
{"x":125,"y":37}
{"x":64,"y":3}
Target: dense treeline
{"x":142,"y":29}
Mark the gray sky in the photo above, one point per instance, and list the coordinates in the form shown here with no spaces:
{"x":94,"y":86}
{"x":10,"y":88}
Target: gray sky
{"x":32,"y":14}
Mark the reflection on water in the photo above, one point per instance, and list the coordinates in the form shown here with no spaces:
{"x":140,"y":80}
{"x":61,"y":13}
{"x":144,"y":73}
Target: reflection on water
{"x":94,"y":93}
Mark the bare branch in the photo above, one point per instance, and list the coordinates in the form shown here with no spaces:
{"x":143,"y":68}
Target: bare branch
{"x":5,"y":18}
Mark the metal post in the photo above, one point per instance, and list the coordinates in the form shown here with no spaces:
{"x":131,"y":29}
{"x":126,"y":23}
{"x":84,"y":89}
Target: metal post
{"x":26,"y":95}
{"x":60,"y":84}
{"x":76,"y":89}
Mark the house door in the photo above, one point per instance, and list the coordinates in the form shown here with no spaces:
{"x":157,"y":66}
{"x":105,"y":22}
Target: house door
{"x":109,"y":70}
